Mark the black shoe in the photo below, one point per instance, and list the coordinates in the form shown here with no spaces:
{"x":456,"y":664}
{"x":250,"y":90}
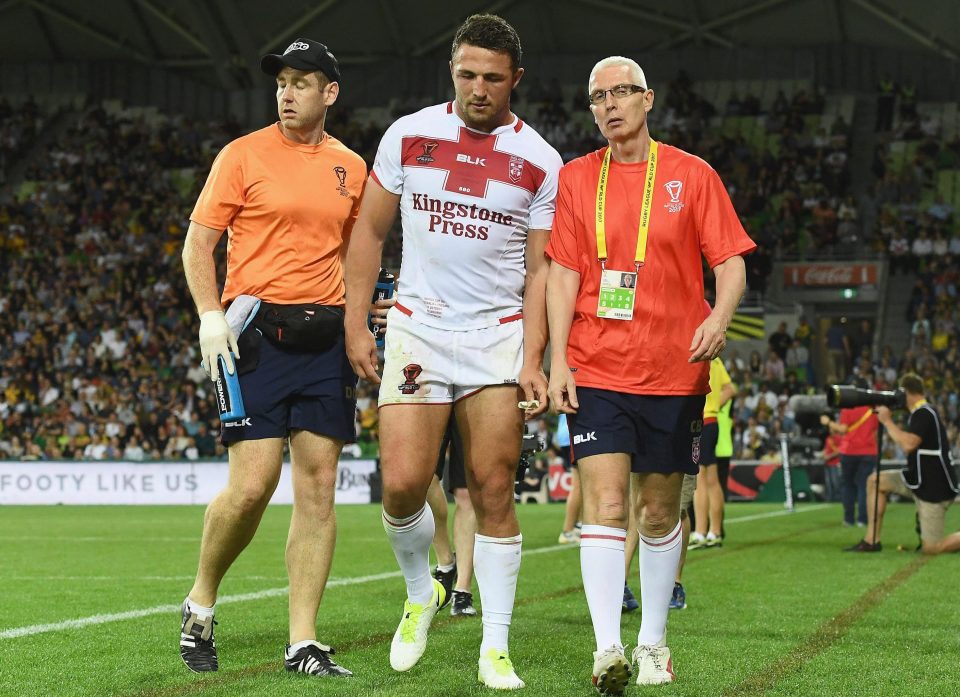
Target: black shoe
{"x":463,"y":604}
{"x":864,"y":546}
{"x":197,"y":647}
{"x":446,"y":579}
{"x":314,"y":659}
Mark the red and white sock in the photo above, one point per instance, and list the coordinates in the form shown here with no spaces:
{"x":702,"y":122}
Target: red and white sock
{"x":496,"y":563}
{"x":601,"y":565}
{"x":659,"y":557}
{"x":411,"y":539}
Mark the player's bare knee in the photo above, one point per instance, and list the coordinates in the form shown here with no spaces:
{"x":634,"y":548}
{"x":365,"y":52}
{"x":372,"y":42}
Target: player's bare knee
{"x":611,"y":513}
{"x":658,"y":520}
{"x":316,"y":486}
{"x":403,"y":495}
{"x":251,"y":497}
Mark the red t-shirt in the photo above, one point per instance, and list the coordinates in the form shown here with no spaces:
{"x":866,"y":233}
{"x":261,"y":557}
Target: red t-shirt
{"x":691,"y":214}
{"x":863,"y":439}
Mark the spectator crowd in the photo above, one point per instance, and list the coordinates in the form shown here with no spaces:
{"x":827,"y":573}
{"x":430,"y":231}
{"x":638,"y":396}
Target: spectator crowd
{"x":100,"y":358}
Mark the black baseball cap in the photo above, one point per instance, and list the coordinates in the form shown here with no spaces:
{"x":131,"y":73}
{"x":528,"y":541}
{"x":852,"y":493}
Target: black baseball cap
{"x":303,"y":54}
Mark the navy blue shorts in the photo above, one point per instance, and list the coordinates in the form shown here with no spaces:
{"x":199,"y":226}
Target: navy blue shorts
{"x":294,"y":390}
{"x":661,"y":433}
{"x":708,"y":443}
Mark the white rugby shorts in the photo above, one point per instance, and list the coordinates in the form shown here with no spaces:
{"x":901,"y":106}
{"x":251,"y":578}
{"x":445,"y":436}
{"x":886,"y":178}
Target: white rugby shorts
{"x":427,"y":365}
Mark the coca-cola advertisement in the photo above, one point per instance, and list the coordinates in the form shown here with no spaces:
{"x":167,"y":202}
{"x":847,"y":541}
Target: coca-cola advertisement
{"x":829,"y":275}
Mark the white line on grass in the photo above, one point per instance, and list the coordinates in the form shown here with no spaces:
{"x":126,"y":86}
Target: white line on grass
{"x":116,"y":578}
{"x":93,"y":538}
{"x":35,"y":629}
{"x":775,"y":514}
{"x":32,"y":630}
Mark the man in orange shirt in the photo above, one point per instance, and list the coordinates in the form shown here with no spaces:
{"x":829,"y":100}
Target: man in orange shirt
{"x":288,"y":196}
{"x":630,"y":366}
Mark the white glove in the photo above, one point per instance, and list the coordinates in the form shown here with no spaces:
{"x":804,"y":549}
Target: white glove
{"x":216,"y":339}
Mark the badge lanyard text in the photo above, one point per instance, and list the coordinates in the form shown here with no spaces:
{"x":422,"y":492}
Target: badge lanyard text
{"x":647,"y":205}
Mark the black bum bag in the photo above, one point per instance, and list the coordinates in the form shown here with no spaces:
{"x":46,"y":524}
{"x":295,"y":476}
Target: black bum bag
{"x":300,"y":327}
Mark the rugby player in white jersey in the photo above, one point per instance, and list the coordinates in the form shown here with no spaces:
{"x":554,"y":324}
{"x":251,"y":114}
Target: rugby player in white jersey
{"x":475,"y":187}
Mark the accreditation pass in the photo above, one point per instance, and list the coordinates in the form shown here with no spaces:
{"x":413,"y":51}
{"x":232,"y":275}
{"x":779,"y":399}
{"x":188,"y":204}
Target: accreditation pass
{"x":618,"y":289}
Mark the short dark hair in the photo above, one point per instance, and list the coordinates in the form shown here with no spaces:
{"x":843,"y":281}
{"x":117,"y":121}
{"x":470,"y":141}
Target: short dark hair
{"x":490,"y":32}
{"x":911,"y":382}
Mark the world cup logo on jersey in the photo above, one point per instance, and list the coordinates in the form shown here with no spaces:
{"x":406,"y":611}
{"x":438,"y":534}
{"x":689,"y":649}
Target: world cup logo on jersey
{"x":428,"y":148}
{"x":410,"y":374}
{"x":674,"y":188}
{"x":515,"y":169}
{"x":341,"y":173}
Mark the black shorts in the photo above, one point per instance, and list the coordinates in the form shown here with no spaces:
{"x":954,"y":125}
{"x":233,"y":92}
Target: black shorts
{"x":708,"y":443}
{"x":456,"y":475}
{"x":661,"y":433}
{"x":294,"y":390}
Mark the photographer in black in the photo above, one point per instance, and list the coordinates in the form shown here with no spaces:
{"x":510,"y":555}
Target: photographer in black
{"x":928,"y":477}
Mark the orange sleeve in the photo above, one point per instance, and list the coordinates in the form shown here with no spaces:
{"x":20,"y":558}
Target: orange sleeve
{"x":354,"y":212}
{"x":223,"y":193}
{"x":721,"y":234}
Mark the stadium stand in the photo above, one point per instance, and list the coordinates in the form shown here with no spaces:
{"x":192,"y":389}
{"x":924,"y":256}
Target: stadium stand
{"x":101,"y":362}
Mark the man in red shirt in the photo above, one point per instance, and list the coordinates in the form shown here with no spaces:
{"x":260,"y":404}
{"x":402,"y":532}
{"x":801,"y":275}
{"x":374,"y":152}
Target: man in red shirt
{"x":858,"y":456}
{"x":630,"y":365}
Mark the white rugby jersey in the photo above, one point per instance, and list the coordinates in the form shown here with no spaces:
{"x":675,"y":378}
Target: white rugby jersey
{"x":468,"y":199}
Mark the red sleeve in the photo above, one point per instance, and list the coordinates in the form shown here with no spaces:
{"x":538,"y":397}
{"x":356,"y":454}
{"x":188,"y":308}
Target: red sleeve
{"x":562,"y":247}
{"x":721,"y":234}
{"x":223,"y":193}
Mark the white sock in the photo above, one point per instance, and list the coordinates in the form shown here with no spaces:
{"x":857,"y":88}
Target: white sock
{"x":447,"y":567}
{"x":659,"y":557}
{"x":199,"y":610}
{"x":601,"y":565}
{"x":496,"y":563}
{"x":411,"y":538}
{"x":293,"y":648}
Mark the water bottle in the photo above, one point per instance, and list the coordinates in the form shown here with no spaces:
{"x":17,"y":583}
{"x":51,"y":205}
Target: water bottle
{"x":382,"y":291}
{"x":227,"y":388}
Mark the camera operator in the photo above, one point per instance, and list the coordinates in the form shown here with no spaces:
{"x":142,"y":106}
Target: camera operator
{"x":857,"y":428}
{"x":928,"y":477}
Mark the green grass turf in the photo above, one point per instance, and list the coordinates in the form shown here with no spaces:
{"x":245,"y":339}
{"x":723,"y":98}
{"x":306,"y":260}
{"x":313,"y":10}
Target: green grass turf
{"x":778,"y":610}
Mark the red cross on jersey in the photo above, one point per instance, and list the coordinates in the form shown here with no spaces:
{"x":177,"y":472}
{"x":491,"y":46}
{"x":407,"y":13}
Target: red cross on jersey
{"x":471,"y":162}
{"x":468,"y":199}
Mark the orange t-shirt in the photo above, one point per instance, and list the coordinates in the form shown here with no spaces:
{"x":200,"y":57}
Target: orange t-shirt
{"x":288,"y":210}
{"x":691,"y":214}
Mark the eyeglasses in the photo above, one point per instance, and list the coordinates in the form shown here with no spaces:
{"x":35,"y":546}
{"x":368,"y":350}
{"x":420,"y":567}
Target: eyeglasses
{"x":598,"y":97}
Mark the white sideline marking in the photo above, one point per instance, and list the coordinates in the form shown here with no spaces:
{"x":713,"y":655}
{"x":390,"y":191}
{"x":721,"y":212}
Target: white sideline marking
{"x":116,"y":578}
{"x":173,"y":609}
{"x":32,"y":630}
{"x":94,"y":538}
{"x":35,"y":629}
{"x":776,"y":514}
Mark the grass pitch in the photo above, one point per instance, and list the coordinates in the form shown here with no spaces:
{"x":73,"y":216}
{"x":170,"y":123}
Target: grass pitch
{"x":89,"y":600}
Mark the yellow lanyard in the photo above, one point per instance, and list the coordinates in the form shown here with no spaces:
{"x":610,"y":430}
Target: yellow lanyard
{"x":647,"y":200}
{"x":861,"y":421}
